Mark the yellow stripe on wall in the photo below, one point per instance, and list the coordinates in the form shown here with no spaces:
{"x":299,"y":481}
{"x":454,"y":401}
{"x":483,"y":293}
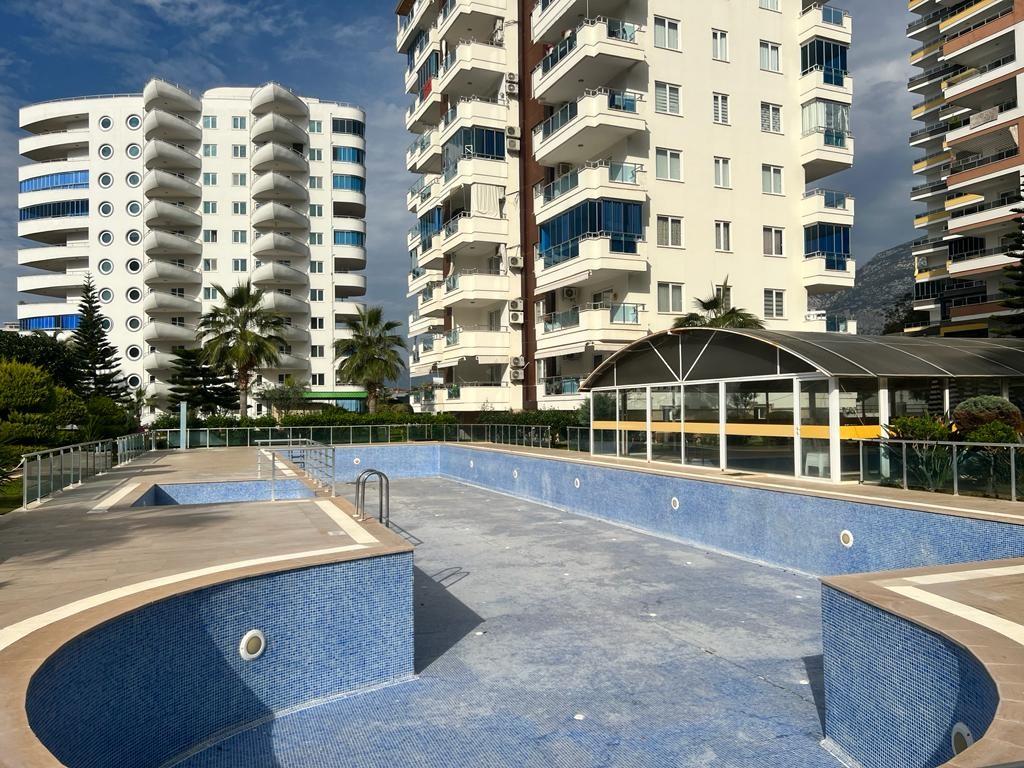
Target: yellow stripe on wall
{"x":810,"y":431}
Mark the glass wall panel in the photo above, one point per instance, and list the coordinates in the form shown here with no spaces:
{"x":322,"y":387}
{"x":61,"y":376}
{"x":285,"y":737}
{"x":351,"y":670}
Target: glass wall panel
{"x":858,"y":407}
{"x":666,"y":417}
{"x":759,"y":417}
{"x":633,"y":422}
{"x":814,"y":424}
{"x":701,"y":424}
{"x":602,"y":420}
{"x":964,"y":389}
{"x":915,"y":397}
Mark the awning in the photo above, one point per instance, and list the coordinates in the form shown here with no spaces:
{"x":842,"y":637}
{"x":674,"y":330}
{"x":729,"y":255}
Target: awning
{"x":450,"y":363}
{"x":492,"y":359}
{"x":355,"y":394}
{"x":575,"y":349}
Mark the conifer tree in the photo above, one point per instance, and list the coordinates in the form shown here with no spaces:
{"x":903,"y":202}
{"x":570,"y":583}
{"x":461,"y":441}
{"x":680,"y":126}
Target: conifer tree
{"x":99,"y":373}
{"x":201,"y":386}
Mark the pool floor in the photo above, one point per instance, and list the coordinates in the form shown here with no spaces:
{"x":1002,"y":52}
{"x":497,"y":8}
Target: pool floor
{"x":548,"y":639}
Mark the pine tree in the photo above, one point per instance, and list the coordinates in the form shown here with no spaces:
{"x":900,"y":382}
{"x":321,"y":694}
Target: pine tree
{"x":201,"y":386}
{"x":1013,"y":289}
{"x":99,"y":373}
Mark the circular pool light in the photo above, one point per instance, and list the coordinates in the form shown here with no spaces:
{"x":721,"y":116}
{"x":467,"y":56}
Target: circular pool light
{"x":846,"y":538}
{"x":253,"y":645}
{"x":515,"y":474}
{"x":675,"y":502}
{"x":576,"y":482}
{"x":357,"y":460}
{"x":961,"y":738}
{"x":470,"y":463}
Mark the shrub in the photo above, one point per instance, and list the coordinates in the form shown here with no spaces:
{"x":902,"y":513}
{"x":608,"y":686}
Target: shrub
{"x":104,"y":419}
{"x":68,"y":409}
{"x":993,"y":432}
{"x":929,"y":428}
{"x":24,"y":388}
{"x":976,"y":412}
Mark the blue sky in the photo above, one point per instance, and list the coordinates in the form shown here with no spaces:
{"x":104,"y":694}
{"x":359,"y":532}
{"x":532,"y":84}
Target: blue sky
{"x":344,"y":50}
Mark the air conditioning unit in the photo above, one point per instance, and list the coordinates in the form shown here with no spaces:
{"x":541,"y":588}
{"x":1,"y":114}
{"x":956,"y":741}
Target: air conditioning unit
{"x":512,"y":131}
{"x":517,"y":374}
{"x":517,"y":362}
{"x":511,"y":89}
{"x":515,"y":318}
{"x":512,"y":145}
{"x":570,"y":294}
{"x":516,"y":305}
{"x":512,"y":77}
{"x":515,"y":262}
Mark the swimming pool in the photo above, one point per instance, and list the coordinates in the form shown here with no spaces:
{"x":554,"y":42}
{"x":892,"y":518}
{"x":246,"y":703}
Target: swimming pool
{"x":174,"y":494}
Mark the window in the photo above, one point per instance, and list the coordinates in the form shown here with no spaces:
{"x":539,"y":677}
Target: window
{"x":106,"y":296}
{"x":669,"y":164}
{"x":720,"y":108}
{"x":238,"y":150}
{"x":348,"y":155}
{"x":723,"y":236}
{"x":133,"y":236}
{"x":209,"y":265}
{"x":719,"y":45}
{"x":831,"y":118}
{"x":316,"y":154}
{"x":134,"y":266}
{"x":133,"y":179}
{"x":770,"y":57}
{"x":239,"y":122}
{"x":105,"y":180}
{"x":106,"y":266}
{"x":133,"y":208}
{"x":239,"y":236}
{"x":179,"y":292}
{"x":345,"y":125}
{"x":54,"y":210}
{"x":666,"y":98}
{"x":723,"y":173}
{"x":774,"y":303}
{"x":316,"y":350}
{"x":316,"y":294}
{"x":133,"y":151}
{"x":209,"y":121}
{"x":670,"y":297}
{"x":240,"y":207}
{"x":106,"y":123}
{"x":724,"y":294}
{"x":316,"y":267}
{"x":772,"y":241}
{"x":178,"y":321}
{"x":316,"y":182}
{"x":771,"y":179}
{"x":209,"y":293}
{"x":316,"y":323}
{"x":239,"y":265}
{"x":828,"y":57}
{"x":666,"y":33}
{"x":239,"y":179}
{"x":209,"y":179}
{"x":771,"y":117}
{"x":66,"y":180}
{"x":106,"y":151}
{"x":316,"y":211}
{"x":317,"y":238}
{"x":317,"y":379}
{"x":134,"y":295}
{"x":209,"y":150}
{"x":670,"y":231}
{"x":106,"y":237}
{"x":350,"y":183}
{"x":209,"y":235}
{"x":769,"y":5}
{"x":209,"y":206}
{"x":105,"y":208}
{"x":316,"y":126}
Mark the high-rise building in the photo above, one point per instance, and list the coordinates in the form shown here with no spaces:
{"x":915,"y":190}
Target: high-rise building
{"x":163,"y":195}
{"x":590,"y":169}
{"x":968,"y":173}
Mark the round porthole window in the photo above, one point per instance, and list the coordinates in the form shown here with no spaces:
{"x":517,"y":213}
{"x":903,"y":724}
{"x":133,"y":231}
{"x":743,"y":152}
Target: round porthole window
{"x":133,"y":323}
{"x":106,"y":151}
{"x":961,"y":738}
{"x":105,"y":324}
{"x":134,"y":295}
{"x":133,"y":121}
{"x":134,"y":266}
{"x":106,"y":266}
{"x":105,"y":180}
{"x":846,"y":539}
{"x":253,"y":645}
{"x":133,"y":179}
{"x":106,"y":123}
{"x":133,"y":352}
{"x":133,"y":151}
{"x":134,"y":237}
{"x":106,"y":296}
{"x":134,"y":382}
{"x":134,"y":208}
{"x":105,"y":208}
{"x":106,"y":237}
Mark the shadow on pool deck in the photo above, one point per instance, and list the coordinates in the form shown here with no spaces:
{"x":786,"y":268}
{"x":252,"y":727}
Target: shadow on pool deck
{"x":440,"y":619}
{"x":816,"y":677}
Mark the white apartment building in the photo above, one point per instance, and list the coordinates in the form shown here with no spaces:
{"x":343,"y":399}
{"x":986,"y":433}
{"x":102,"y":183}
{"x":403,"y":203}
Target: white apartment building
{"x":590,"y":168}
{"x":162,"y":195}
{"x":969,"y":168}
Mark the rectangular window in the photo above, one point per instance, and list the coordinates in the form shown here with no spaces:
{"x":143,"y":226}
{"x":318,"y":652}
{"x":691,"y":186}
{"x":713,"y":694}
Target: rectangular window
{"x":209,"y":206}
{"x":666,"y":33}
{"x":316,"y":154}
{"x":209,"y":150}
{"x":179,"y":292}
{"x":316,"y":267}
{"x":209,"y":265}
{"x":316,"y":126}
{"x":209,"y":121}
{"x":239,"y":122}
{"x":178,"y":321}
{"x":772,"y":241}
{"x":209,"y":179}
{"x":720,"y":108}
{"x":771,"y":117}
{"x":316,"y":238}
{"x":239,"y":265}
{"x":770,"y":59}
{"x":239,"y":179}
{"x":209,"y":293}
{"x":670,"y":231}
{"x":316,"y":211}
{"x":239,"y":236}
{"x":771,"y":179}
{"x":209,"y":235}
{"x":666,"y":98}
{"x":774,"y":303}
{"x":724,"y":294}
{"x":316,"y":350}
{"x":723,"y":236}
{"x":239,"y":150}
{"x":316,"y":294}
{"x":670,"y":297}
{"x":769,"y":5}
{"x":317,"y":379}
{"x":723,"y":173}
{"x":316,"y":182}
{"x":669,"y":164}
{"x":316,"y":323}
{"x":240,"y":207}
{"x":719,"y":45}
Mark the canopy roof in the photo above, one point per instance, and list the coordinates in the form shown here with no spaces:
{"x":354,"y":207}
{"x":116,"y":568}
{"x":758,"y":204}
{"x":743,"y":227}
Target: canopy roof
{"x":702,"y":354}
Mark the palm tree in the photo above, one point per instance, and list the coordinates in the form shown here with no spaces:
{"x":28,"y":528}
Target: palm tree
{"x":241,"y":336}
{"x":714,"y":313}
{"x":371,"y":356}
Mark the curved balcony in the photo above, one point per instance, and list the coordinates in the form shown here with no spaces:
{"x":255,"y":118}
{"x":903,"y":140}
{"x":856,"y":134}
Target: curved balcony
{"x":285,"y":304}
{"x":165,"y":155}
{"x":349,"y":256}
{"x":158,"y":243}
{"x":294,"y":333}
{"x":167,"y":127}
{"x":278,"y":274}
{"x":279,"y":129}
{"x":588,"y":127}
{"x":158,"y":391}
{"x":164,"y":184}
{"x":348,"y":202}
{"x":274,"y":97}
{"x":161,"y":94}
{"x":57,"y":145}
{"x":159,"y":302}
{"x":58,"y":285}
{"x":165,"y":273}
{"x":277,"y":186}
{"x":595,"y":53}
{"x":348,"y":309}
{"x":53,"y":257}
{"x":275,"y":246}
{"x":347,"y":285}
{"x":278,"y":157}
{"x":53,"y":231}
{"x":288,"y":362}
{"x":270,"y":216}
{"x":163,"y":215}
{"x":159,"y":361}
{"x":158,"y":330}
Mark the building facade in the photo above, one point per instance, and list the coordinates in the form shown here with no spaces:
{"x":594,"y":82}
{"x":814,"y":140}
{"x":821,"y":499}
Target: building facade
{"x":968,"y":174}
{"x":587,"y":170}
{"x":163,"y":195}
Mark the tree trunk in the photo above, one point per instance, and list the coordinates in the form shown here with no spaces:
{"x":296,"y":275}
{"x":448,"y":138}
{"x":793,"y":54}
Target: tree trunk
{"x":243,"y":396}
{"x":371,"y":400}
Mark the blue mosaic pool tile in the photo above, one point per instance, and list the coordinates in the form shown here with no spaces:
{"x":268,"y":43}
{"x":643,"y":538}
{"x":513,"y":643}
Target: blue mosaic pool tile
{"x":156,"y":682}
{"x":894,"y":690}
{"x":223,"y":492}
{"x":393,"y":460}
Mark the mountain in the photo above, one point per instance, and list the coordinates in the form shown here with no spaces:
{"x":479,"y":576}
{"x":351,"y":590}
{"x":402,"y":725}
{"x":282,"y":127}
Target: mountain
{"x":881,"y":283}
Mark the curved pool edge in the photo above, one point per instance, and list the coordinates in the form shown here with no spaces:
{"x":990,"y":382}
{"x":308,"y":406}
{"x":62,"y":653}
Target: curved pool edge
{"x":23,"y":657}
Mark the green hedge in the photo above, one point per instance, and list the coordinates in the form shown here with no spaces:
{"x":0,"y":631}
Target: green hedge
{"x":327,"y":417}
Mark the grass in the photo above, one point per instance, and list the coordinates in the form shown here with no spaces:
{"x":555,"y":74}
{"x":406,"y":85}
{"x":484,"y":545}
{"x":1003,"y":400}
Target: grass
{"x":10,"y":496}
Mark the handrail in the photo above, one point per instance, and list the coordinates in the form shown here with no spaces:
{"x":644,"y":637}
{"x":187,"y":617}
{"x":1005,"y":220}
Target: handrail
{"x":86,"y":98}
{"x":383,"y":496}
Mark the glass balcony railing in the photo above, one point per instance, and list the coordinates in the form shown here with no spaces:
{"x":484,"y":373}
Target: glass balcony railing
{"x":624,"y":101}
{"x":617,"y":314}
{"x":619,"y":173}
{"x":561,"y":385}
{"x":830,"y":198}
{"x":559,"y":52}
{"x":834,"y":262}
{"x":451,"y":338}
{"x":557,"y":321}
{"x":831,"y":137}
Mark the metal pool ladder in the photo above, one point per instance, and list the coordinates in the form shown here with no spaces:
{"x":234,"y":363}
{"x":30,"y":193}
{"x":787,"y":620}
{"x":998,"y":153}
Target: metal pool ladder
{"x":383,"y":497}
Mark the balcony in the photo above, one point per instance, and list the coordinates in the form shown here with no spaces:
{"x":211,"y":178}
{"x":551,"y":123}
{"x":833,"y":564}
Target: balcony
{"x":560,"y":390}
{"x":595,"y":53}
{"x":269,"y":217}
{"x":160,"y":214}
{"x":430,"y":255}
{"x":825,"y":151}
{"x":168,"y":273}
{"x":56,"y":145}
{"x":826,"y":22}
{"x":55,"y":284}
{"x":420,"y":278}
{"x":421,"y":324}
{"x":469,"y":169}
{"x":277,"y":186}
{"x":289,"y":362}
{"x":284,"y":303}
{"x":587,"y":260}
{"x":55,"y":258}
{"x":159,"y":361}
{"x":827,"y":83}
{"x":157,"y":243}
{"x":979,"y":262}
{"x":471,"y":234}
{"x":158,"y":184}
{"x":934,"y":160}
{"x":821,"y":322}
{"x":425,"y":111}
{"x":826,"y":206}
{"x":156,"y":331}
{"x":348,"y":256}
{"x":457,"y":19}
{"x":984,"y":214}
{"x":473,"y":341}
{"x":157,"y":391}
{"x":591,"y":181}
{"x":414,"y":16}
{"x":476,"y":288}
{"x":977,"y":77}
{"x":164,"y":303}
{"x":550,"y":18}
{"x":162,"y":94}
{"x":348,"y":284}
{"x":928,"y":190}
{"x":424,"y":154}
{"x":972,"y":167}
{"x":825,"y":272}
{"x":53,"y":230}
{"x":928,"y":218}
{"x":954,"y":22}
{"x":278,"y":129}
{"x":274,"y":97}
{"x":277,"y":246}
{"x":294,"y":333}
{"x":468,"y":398}
{"x":169,"y":127}
{"x":615,"y":323}
{"x":429,"y":301}
{"x":275,"y":273}
{"x":279,"y":157}
{"x":343,"y":309}
{"x":472,"y":68}
{"x":586,"y":128}
{"x":163,"y":154}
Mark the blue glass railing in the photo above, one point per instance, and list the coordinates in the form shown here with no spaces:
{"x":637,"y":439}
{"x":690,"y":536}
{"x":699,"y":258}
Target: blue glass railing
{"x":830,"y":15}
{"x":834,"y":262}
{"x":556,"y":321}
{"x":559,"y":52}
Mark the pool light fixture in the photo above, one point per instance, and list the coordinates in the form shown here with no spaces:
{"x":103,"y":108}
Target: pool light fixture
{"x":961,"y":738}
{"x":846,"y":538}
{"x":252,"y":645}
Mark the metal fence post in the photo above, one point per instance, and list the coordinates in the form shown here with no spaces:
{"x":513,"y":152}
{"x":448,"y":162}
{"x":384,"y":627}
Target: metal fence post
{"x":904,"y":465}
{"x":956,"y":474}
{"x":1013,"y":473}
{"x":273,"y":475}
{"x":860,"y":449}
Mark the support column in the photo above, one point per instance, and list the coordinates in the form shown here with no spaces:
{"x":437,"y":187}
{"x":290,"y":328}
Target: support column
{"x":650,"y":448}
{"x":835,"y":452}
{"x":721,"y":426}
{"x":797,"y":449}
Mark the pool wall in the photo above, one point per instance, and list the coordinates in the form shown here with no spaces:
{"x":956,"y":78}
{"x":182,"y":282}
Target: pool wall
{"x":222,"y":492}
{"x":895,"y":690}
{"x":166,"y":678}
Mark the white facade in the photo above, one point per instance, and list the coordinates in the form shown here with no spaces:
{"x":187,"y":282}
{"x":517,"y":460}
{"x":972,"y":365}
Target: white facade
{"x":162,"y":195}
{"x":655,"y":149}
